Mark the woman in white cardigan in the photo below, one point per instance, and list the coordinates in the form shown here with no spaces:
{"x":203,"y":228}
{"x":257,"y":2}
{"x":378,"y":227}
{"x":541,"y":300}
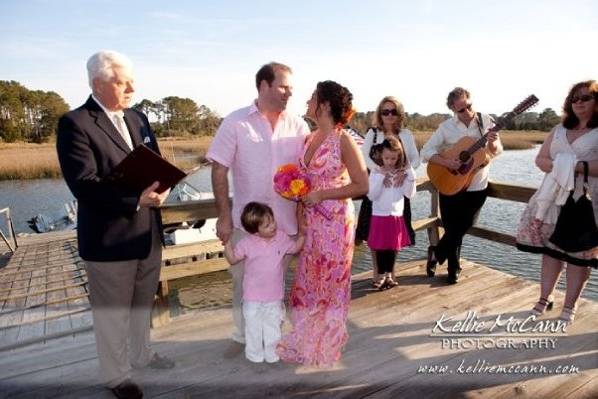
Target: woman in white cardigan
{"x":389,"y":119}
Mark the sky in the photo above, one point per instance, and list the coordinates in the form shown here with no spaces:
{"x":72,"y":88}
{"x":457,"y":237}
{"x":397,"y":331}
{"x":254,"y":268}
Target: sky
{"x":209,"y":51}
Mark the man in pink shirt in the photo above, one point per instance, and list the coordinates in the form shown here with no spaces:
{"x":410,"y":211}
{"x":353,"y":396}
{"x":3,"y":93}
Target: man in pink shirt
{"x":253,"y":142}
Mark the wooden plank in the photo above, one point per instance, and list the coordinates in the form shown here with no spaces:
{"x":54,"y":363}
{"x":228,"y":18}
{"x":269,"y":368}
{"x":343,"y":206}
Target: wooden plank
{"x":192,"y":268}
{"x":510,"y":191}
{"x":425,"y":223}
{"x":188,"y":250}
{"x":492,"y":235}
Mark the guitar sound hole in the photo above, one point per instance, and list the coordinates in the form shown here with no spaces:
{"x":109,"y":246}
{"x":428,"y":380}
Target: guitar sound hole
{"x":464,"y":156}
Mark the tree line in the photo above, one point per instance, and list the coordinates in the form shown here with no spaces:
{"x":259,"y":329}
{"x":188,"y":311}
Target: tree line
{"x":543,"y":121}
{"x":32,"y":116}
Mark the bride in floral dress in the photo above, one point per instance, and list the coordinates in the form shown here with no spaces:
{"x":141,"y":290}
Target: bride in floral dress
{"x":321,"y":293}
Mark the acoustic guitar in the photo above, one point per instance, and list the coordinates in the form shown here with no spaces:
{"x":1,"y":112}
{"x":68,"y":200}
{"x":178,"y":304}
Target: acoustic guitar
{"x":467,"y":150}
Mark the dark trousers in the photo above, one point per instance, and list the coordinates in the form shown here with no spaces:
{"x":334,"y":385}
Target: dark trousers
{"x":458,"y":213}
{"x":385,"y":259}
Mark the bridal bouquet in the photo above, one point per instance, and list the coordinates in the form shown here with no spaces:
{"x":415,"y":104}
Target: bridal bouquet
{"x":292,"y":183}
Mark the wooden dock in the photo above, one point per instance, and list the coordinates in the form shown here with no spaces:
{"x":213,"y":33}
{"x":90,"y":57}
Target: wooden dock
{"x":391,"y":340}
{"x":47,"y":346}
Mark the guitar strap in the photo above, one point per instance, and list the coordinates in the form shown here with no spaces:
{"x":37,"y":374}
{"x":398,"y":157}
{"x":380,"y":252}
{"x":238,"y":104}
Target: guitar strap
{"x":480,"y":123}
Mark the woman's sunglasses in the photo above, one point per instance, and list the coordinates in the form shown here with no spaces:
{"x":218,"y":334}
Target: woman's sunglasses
{"x":583,"y":98}
{"x":388,"y":112}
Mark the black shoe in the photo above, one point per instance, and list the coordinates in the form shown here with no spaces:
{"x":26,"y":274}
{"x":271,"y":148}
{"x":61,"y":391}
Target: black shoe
{"x":431,"y":263}
{"x":127,"y":390}
{"x":160,"y":363}
{"x":453,"y":275}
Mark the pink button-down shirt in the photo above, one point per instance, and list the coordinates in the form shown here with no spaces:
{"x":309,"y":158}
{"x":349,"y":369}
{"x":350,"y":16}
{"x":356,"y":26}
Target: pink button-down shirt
{"x":246,"y":144}
{"x":263,"y":275}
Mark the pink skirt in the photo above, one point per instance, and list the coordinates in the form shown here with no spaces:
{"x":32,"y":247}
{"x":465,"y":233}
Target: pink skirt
{"x":388,"y":232}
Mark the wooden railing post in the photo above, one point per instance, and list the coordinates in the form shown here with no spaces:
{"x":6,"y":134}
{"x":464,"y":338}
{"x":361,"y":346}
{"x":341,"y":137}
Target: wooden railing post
{"x":434,"y":231}
{"x":11,"y":231}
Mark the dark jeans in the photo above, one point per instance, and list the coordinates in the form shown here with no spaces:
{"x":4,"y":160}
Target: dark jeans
{"x":458,"y":213}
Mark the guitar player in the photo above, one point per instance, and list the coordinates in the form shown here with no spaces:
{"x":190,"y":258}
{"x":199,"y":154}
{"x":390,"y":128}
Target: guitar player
{"x":458,"y":211}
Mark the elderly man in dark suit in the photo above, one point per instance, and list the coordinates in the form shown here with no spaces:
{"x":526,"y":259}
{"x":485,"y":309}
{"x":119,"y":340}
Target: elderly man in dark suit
{"x":119,"y":230}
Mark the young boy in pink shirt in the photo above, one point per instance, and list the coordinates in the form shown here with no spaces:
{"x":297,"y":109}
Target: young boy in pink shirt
{"x":263,"y":284}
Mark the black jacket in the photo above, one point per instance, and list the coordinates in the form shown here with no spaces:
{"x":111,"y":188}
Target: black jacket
{"x":109,"y":226}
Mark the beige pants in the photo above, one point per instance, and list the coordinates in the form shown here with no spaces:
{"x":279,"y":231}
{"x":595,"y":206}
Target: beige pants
{"x":121,"y":296}
{"x":237,"y":272}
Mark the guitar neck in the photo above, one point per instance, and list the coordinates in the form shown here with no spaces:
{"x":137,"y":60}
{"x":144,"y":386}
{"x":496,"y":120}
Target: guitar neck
{"x":500,"y":123}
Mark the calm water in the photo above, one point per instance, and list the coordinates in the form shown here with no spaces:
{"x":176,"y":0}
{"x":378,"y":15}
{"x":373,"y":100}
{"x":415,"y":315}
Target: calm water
{"x":28,"y":198}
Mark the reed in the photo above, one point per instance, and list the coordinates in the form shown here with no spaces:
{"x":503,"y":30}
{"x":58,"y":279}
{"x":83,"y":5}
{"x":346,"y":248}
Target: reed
{"x":511,"y":139}
{"x":25,"y":161}
{"x":22,"y":161}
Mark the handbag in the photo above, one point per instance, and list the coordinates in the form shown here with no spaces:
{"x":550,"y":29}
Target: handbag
{"x":376,"y":150}
{"x":575,"y":228}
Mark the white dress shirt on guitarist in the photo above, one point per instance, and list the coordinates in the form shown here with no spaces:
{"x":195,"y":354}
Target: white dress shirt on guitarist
{"x":449,"y":132}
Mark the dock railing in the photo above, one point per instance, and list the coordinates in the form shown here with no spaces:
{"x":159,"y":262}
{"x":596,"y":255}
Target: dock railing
{"x":10,"y":234}
{"x":191,"y":211}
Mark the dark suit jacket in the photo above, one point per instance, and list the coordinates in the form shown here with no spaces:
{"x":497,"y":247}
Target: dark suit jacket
{"x":109,"y":226}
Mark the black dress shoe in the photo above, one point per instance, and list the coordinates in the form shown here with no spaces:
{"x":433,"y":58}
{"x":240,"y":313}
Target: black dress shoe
{"x":127,"y":390}
{"x":453,"y":275}
{"x":160,"y":363}
{"x":431,"y":263}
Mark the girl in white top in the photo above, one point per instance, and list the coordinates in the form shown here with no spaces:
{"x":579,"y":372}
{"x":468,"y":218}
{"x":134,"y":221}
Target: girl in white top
{"x":389,"y":119}
{"x":389,"y":184}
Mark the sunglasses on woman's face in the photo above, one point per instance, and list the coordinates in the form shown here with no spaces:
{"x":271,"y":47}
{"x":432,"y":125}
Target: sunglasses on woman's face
{"x":466,"y":108}
{"x":388,"y":112}
{"x":584,"y":98}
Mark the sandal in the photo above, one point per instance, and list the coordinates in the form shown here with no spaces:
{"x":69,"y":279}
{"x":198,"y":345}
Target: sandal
{"x":542,"y":305}
{"x":390,"y":283}
{"x":377,"y":284}
{"x":567,"y":314}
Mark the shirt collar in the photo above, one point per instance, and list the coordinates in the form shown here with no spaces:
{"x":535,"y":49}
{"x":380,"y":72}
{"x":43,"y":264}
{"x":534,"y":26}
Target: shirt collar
{"x":110,"y":114}
{"x":253,"y":109}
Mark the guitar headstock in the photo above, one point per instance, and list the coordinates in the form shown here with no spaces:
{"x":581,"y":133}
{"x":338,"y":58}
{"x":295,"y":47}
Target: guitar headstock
{"x":526,"y":104}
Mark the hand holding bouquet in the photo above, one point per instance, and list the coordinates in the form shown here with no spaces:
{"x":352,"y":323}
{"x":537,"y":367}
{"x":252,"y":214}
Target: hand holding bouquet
{"x":292,"y":183}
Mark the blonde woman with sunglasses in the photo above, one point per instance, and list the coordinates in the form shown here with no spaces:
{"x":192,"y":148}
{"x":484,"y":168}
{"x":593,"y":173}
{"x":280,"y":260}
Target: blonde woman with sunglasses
{"x":389,"y":120}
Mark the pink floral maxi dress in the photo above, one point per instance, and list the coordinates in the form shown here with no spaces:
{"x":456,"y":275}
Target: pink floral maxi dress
{"x":321,"y":293}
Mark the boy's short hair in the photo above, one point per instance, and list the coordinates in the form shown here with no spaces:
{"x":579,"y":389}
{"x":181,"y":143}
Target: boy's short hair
{"x":253,"y":215}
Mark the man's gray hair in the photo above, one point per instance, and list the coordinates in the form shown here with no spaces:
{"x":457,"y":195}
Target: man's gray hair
{"x":99,"y":65}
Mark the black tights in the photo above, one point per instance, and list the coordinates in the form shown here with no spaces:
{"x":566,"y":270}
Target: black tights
{"x":386,"y":260}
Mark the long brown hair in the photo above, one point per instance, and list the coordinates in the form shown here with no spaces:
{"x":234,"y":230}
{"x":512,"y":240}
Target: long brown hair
{"x":394,"y":144}
{"x":570,"y":120}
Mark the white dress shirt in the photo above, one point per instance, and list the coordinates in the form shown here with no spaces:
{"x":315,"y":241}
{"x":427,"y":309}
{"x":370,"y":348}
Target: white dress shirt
{"x":120,"y":127}
{"x":449,"y":133}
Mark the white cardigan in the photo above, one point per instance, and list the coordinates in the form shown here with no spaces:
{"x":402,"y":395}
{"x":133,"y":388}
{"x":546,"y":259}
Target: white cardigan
{"x":406,"y":138}
{"x":388,"y":201}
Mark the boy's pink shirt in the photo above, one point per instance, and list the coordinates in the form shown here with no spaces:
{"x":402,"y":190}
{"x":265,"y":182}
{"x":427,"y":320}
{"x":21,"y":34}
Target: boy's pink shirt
{"x":263,"y":275}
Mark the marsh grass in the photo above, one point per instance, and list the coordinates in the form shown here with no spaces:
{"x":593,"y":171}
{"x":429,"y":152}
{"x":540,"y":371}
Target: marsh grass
{"x":23,"y":161}
{"x":511,"y":139}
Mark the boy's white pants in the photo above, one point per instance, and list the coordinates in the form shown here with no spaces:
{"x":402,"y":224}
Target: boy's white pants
{"x":263,"y":322}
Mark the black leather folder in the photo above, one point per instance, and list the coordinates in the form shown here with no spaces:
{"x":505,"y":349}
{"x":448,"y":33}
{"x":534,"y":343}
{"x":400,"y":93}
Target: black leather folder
{"x":142,"y":167}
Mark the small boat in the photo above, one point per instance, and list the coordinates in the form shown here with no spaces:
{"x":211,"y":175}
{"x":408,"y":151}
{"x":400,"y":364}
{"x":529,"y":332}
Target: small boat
{"x":193,"y":230}
{"x":43,"y":224}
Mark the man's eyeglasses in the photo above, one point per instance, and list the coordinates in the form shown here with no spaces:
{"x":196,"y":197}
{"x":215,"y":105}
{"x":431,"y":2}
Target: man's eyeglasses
{"x":388,"y":112}
{"x":466,"y":108}
{"x":584,"y":98}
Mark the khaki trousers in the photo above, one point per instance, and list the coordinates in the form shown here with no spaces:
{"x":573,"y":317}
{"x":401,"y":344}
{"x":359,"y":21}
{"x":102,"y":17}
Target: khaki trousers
{"x":121,"y":296}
